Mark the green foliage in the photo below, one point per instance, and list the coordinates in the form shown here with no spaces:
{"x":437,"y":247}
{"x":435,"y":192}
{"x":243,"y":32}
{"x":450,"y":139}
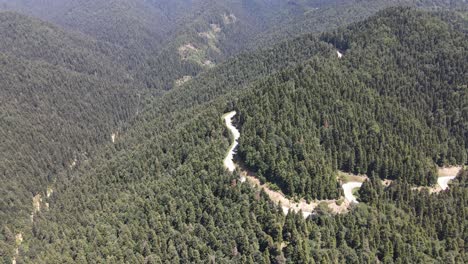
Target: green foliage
{"x":60,"y":96}
{"x":160,"y":194}
{"x":360,"y":114}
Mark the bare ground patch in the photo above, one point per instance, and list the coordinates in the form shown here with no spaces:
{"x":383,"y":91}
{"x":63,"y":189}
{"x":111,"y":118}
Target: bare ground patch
{"x":449,"y":171}
{"x":336,"y":206}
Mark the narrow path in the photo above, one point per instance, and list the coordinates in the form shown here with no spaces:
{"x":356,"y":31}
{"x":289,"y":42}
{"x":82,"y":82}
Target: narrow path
{"x":307,"y":209}
{"x":340,"y":55}
{"x":447,"y":174}
{"x":443,"y":181}
{"x":349,"y":182}
{"x":18,"y":241}
{"x":229,"y":160}
{"x":348,"y":190}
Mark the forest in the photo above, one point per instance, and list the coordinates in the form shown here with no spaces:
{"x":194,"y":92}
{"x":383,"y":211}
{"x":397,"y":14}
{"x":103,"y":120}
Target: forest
{"x":361,"y":113}
{"x":129,"y":165}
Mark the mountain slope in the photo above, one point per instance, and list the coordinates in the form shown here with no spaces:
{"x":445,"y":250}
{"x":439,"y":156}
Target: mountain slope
{"x":51,"y":115}
{"x":31,"y":39}
{"x":165,"y":43}
{"x":360,"y":113}
{"x":215,"y":30}
{"x":137,"y":24}
{"x":161,"y":195}
{"x":320,"y":16}
{"x":61,"y":96}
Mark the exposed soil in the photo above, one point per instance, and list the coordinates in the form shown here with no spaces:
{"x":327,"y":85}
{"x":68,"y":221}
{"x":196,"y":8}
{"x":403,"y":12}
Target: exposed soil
{"x":348,"y":190}
{"x":449,"y":171}
{"x":229,"y":160}
{"x":349,"y":181}
{"x":276,"y":196}
{"x":340,"y":55}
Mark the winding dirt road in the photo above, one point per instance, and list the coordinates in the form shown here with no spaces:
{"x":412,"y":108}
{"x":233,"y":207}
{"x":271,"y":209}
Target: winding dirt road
{"x":276,"y":196}
{"x":337,"y":206}
{"x":340,"y":55}
{"x":348,"y":190}
{"x":446,"y":175}
{"x":229,"y":160}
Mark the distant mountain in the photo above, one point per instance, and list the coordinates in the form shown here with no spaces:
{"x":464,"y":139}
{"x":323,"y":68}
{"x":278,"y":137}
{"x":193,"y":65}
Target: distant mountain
{"x":320,"y":16}
{"x":31,"y":39}
{"x":136,"y":24}
{"x":166,"y":42}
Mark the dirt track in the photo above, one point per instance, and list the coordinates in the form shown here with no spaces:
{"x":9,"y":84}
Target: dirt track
{"x":349,"y":182}
{"x":277,"y":197}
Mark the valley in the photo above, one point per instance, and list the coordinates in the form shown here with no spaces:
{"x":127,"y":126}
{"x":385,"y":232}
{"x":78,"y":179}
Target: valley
{"x":233,"y":131}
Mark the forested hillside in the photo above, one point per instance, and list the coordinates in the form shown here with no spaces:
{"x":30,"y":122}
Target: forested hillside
{"x":61,"y":96}
{"x":401,"y":77}
{"x":318,"y":16}
{"x":135,"y":23}
{"x":164,"y":43}
{"x":31,"y":39}
{"x":160,"y":193}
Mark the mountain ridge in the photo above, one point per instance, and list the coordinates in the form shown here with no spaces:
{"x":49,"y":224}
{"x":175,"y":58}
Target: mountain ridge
{"x":167,"y":187}
{"x":137,"y":173}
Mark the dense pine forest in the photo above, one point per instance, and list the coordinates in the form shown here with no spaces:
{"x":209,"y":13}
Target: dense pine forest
{"x":164,"y":42}
{"x":361,"y":113}
{"x":119,"y":131}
